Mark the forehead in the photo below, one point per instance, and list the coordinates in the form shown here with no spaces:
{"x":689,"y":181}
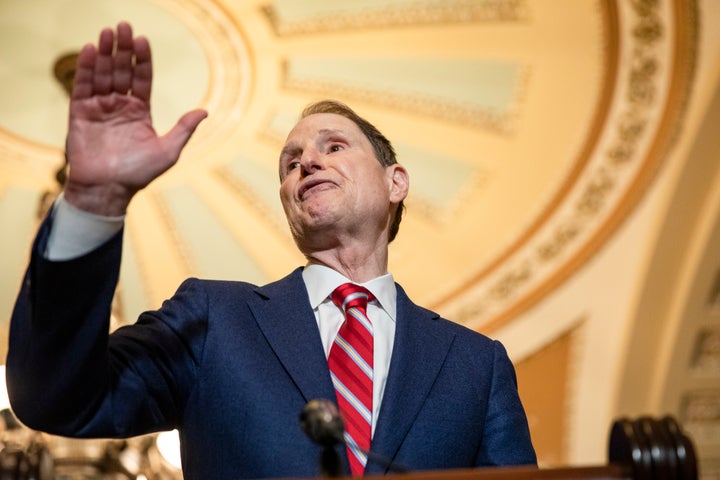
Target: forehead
{"x":323,"y":123}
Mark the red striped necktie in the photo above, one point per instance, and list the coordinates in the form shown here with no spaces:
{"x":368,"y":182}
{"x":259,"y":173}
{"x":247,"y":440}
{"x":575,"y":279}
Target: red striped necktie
{"x":351,"y":369}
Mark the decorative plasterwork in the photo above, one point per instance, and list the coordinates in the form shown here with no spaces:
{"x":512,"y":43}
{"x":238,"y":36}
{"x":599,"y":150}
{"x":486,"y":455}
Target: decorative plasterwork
{"x":290,"y":17}
{"x":171,"y":226}
{"x":649,"y":63}
{"x":706,"y":353}
{"x":471,"y":92}
{"x":257,"y":184}
{"x":700,"y":414}
{"x":229,"y":64}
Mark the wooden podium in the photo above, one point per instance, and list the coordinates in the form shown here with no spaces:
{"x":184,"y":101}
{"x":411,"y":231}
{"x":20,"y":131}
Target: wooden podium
{"x":606,"y":472}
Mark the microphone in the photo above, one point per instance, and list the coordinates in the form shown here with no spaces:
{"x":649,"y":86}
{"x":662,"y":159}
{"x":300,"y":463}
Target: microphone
{"x":321,"y":422}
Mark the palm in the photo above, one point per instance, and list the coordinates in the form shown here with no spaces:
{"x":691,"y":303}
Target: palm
{"x":111,"y":139}
{"x":112,"y":147}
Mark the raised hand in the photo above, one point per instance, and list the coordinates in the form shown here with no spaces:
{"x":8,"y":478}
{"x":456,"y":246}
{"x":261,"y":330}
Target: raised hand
{"x":112,"y":147}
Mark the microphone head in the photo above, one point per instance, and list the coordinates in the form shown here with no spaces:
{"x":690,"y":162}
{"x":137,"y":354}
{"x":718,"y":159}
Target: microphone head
{"x":321,"y":422}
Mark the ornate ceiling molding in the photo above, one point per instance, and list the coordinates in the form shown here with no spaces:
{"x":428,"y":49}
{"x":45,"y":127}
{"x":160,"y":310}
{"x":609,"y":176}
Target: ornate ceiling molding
{"x":289,"y":17}
{"x":649,"y":65}
{"x":229,"y":63}
{"x":404,"y":94}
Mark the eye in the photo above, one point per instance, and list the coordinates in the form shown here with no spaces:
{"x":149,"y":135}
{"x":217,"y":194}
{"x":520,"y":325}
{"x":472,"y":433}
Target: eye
{"x":287,"y":168}
{"x":335,"y":148}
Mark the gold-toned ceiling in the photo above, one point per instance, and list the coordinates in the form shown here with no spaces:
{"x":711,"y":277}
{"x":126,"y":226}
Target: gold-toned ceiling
{"x":528,"y":131}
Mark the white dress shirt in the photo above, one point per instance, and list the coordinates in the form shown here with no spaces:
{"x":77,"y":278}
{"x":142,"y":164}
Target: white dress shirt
{"x":76,"y":232}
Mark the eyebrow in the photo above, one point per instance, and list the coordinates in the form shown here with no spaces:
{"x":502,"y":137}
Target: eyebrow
{"x":289,"y":150}
{"x":329,"y":131}
{"x":293,"y":149}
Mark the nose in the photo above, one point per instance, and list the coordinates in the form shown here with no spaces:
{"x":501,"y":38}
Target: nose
{"x":311,"y":161}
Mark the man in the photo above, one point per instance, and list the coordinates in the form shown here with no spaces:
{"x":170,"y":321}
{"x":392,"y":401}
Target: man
{"x":232,"y":365}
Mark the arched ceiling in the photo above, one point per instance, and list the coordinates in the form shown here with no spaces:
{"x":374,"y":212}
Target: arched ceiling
{"x":529,"y":132}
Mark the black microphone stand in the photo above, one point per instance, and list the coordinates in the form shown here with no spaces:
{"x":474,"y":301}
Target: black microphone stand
{"x":330,"y":463}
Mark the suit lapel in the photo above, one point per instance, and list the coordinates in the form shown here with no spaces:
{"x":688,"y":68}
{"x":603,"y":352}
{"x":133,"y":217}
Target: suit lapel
{"x":283,"y":313}
{"x":418,"y":354}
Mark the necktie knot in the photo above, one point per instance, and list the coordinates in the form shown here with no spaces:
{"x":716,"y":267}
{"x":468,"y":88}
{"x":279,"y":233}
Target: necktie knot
{"x":349,"y":295}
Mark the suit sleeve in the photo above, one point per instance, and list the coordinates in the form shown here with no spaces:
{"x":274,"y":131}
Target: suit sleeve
{"x":506,"y":439}
{"x":67,"y":376}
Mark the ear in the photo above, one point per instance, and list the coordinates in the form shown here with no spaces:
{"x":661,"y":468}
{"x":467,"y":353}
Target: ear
{"x":399,"y":182}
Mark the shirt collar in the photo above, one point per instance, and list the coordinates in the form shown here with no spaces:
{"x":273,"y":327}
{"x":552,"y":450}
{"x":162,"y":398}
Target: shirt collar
{"x":320,"y":281}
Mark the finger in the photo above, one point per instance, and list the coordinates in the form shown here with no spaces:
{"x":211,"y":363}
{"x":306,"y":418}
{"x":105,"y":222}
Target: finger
{"x":179,"y":135}
{"x":142,"y":75}
{"x":122,"y":66}
{"x":104,"y":63}
{"x":84,"y":73}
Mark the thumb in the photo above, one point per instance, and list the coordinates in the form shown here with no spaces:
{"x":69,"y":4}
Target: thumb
{"x":181,"y":132}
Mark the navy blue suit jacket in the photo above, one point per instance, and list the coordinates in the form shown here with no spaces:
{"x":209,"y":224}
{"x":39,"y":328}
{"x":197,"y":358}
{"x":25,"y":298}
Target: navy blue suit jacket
{"x":231,"y":365}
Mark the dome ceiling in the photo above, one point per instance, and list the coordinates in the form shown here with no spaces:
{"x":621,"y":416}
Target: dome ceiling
{"x":529,"y":132}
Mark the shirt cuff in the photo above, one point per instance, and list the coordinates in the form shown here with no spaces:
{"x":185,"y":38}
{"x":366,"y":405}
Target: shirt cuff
{"x":75,"y":232}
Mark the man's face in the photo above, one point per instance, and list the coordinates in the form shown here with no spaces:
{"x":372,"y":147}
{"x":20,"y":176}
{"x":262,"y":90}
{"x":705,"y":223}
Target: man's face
{"x":332,"y":182}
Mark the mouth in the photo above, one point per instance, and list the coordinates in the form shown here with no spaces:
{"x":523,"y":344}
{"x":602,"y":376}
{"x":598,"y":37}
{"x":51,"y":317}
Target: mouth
{"x":314,"y":185}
